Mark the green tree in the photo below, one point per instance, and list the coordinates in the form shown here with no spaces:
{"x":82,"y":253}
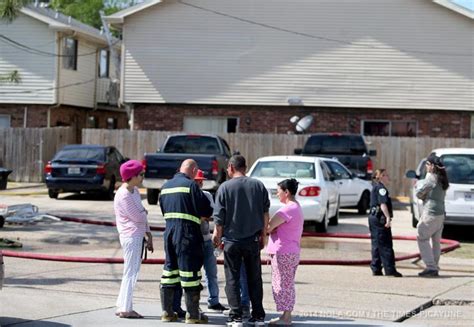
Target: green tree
{"x":9,"y":9}
{"x":87,"y":11}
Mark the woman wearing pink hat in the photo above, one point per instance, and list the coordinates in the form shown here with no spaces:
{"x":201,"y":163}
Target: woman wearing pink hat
{"x":132,"y":225}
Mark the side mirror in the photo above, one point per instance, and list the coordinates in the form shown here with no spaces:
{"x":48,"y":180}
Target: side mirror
{"x":298,"y":151}
{"x":372,"y":153}
{"x":411,"y":174}
{"x":236,"y":153}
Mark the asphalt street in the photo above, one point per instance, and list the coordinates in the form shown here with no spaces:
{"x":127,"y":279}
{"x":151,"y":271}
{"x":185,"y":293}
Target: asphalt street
{"x":46,"y":293}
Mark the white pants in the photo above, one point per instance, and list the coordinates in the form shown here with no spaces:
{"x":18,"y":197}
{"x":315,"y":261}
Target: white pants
{"x":430,"y":227}
{"x":132,"y":250}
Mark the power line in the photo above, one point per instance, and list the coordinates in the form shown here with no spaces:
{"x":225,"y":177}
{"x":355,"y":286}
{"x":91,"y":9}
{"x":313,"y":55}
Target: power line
{"x":312,"y":36}
{"x":48,"y":88}
{"x":34,"y":51}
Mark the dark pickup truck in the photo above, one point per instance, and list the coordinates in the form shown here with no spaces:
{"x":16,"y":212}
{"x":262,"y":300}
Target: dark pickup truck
{"x":349,"y":149}
{"x":211,"y":153}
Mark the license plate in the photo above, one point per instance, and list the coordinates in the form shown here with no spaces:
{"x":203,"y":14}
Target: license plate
{"x":469,"y":196}
{"x":273,"y":193}
{"x":74,"y":170}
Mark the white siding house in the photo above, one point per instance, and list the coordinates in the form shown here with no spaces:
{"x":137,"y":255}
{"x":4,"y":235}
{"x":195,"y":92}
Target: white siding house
{"x":359,"y":54}
{"x":52,"y":75}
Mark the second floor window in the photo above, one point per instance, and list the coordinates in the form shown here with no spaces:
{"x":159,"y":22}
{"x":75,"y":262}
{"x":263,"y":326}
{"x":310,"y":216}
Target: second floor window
{"x":104,"y":63}
{"x":70,"y":53}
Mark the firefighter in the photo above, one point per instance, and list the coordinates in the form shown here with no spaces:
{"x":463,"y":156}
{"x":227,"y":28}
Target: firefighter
{"x":183,"y":204}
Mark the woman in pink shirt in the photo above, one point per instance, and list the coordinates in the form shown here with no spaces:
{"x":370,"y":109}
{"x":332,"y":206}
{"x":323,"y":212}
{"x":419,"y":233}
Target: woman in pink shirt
{"x":285,"y":229}
{"x":132,"y":225}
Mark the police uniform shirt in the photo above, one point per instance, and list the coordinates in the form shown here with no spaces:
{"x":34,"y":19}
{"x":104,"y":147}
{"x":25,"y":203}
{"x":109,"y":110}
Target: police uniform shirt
{"x":382,"y":196}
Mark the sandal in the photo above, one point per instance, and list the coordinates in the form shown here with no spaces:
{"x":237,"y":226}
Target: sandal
{"x":129,"y":315}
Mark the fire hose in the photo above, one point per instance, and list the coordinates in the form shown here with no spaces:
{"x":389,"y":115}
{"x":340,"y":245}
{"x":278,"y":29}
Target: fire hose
{"x":451,"y":245}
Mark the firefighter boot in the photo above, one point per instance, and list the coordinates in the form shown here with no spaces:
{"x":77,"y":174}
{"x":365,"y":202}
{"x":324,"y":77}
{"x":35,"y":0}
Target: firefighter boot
{"x":167,"y":296}
{"x":193,"y":314}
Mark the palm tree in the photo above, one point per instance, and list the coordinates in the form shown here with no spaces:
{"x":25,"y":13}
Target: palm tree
{"x":9,"y":9}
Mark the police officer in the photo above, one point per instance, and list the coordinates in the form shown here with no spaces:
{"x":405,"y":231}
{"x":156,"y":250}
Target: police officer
{"x":182,"y":204}
{"x":380,"y":218}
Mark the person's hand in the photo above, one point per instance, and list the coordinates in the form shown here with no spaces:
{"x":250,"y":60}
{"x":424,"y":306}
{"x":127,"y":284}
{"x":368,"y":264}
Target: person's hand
{"x":149,"y":242}
{"x":216,"y":240}
{"x":388,"y":224}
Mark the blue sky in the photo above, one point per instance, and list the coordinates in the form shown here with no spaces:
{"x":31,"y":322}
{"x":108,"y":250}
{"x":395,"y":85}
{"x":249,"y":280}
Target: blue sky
{"x":468,"y":4}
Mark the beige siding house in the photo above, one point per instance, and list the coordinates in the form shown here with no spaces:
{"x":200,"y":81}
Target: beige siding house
{"x":398,"y":67}
{"x":63,"y":79}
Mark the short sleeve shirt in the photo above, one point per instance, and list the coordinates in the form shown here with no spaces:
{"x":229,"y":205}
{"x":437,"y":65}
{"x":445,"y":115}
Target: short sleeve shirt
{"x":287,"y":237}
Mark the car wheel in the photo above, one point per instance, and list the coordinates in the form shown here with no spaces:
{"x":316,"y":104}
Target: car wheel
{"x":53,"y":194}
{"x":110,"y":193}
{"x":364,"y":203}
{"x":322,"y":227}
{"x":2,"y":221}
{"x":334,"y":221}
{"x":152,"y":195}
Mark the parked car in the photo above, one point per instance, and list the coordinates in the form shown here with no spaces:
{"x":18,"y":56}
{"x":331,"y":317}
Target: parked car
{"x":84,"y":168}
{"x":317,"y":192}
{"x":353,"y":191}
{"x":459,"y":201}
{"x":211,"y":153}
{"x":350,"y":149}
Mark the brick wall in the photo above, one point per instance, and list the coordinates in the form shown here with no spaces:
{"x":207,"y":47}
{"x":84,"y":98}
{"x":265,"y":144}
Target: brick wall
{"x":267,"y":119}
{"x":37,"y":116}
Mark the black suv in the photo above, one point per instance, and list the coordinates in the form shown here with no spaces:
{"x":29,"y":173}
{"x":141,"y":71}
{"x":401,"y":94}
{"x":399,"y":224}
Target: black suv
{"x":349,"y":149}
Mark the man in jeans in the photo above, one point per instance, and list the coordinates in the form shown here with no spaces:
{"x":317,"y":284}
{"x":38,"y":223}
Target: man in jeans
{"x":241,"y":217}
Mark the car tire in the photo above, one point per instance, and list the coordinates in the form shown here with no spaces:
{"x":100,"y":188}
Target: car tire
{"x":322,"y":227}
{"x":53,"y":194}
{"x":364,"y":203}
{"x":110,"y":193}
{"x":334,"y":221}
{"x":2,"y":221}
{"x":152,"y":195}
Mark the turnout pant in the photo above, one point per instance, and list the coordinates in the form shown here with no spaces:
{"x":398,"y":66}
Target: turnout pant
{"x":184,"y":255}
{"x":132,"y":256}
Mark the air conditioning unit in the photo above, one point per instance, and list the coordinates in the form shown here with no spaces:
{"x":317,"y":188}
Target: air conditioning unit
{"x":113,"y":93}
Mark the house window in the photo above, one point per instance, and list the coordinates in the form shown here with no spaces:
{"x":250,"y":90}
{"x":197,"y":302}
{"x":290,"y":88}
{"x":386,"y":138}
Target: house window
{"x":5,"y":121}
{"x":389,"y":128}
{"x":70,"y":53}
{"x":111,"y":123}
{"x":104,"y":63}
{"x":376,"y":128}
{"x":403,"y":128}
{"x":92,"y":122}
{"x":211,"y":124}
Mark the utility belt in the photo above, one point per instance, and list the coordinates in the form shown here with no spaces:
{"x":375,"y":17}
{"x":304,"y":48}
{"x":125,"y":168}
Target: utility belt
{"x":375,"y":211}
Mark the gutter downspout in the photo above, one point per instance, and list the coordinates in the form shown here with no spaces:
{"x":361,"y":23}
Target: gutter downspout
{"x":56,"y":82}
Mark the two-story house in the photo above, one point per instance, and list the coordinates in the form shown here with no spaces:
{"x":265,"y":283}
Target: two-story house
{"x":65,"y":73}
{"x":396,"y":68}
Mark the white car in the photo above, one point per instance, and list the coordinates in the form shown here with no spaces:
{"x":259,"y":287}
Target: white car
{"x":353,"y":191}
{"x":459,"y":201}
{"x":317,"y":193}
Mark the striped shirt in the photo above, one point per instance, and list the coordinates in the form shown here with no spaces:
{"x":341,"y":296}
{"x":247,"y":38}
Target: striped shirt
{"x":130,"y":215}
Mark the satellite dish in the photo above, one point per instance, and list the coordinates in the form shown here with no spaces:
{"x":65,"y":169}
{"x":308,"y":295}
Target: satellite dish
{"x":303,"y":124}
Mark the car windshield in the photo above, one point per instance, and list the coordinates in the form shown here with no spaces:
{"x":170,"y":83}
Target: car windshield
{"x":335,"y":144}
{"x":460,"y":168}
{"x":284,"y":169}
{"x":192,"y":144}
{"x":91,"y":154}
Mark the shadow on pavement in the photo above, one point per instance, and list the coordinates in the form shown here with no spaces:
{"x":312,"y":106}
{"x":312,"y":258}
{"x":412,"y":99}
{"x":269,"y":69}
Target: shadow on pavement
{"x":8,"y":321}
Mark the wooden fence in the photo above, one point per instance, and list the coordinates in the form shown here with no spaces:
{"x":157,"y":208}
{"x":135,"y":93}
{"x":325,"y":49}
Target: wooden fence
{"x":26,"y":150}
{"x":396,"y":154}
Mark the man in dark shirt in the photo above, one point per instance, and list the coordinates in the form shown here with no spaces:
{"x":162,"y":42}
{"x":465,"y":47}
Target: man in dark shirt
{"x":241,"y":217}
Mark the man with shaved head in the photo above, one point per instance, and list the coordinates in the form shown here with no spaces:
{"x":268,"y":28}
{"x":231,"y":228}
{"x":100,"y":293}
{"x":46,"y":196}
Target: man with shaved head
{"x":183,"y":204}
